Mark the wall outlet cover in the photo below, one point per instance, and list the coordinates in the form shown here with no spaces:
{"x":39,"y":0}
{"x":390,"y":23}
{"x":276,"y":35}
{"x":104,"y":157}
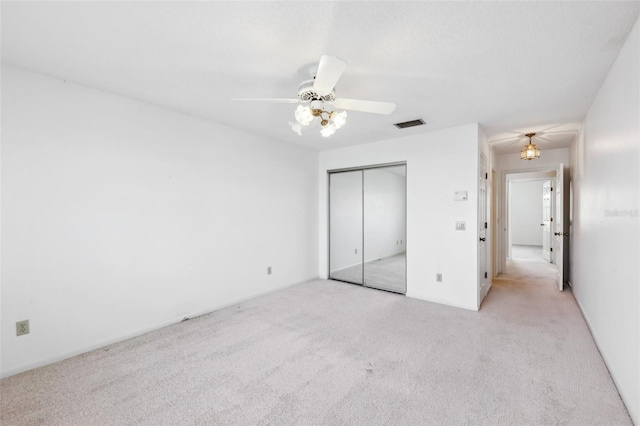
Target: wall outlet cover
{"x":22,"y":327}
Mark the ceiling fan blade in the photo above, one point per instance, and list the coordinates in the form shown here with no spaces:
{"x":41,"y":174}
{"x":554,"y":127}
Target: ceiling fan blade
{"x":365,"y":106}
{"x":329,"y":71}
{"x":272,"y":100}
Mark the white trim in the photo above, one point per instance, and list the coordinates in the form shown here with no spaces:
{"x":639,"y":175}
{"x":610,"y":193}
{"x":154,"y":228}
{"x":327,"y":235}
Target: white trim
{"x":443,"y":302}
{"x":347,"y":267}
{"x":175,"y":320}
{"x":606,"y":364}
{"x":486,"y":293}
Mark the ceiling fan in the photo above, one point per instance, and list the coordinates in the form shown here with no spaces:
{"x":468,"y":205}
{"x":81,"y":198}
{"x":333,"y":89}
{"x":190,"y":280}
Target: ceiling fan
{"x":318,"y":102}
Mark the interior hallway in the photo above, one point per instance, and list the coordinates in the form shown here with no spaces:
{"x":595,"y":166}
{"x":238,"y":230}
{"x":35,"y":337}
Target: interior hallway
{"x":325,"y":352}
{"x":528,"y":253}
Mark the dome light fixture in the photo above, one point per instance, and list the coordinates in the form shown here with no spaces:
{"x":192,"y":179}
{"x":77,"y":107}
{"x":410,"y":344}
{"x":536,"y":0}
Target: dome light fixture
{"x":530,"y":151}
{"x":329,"y":120}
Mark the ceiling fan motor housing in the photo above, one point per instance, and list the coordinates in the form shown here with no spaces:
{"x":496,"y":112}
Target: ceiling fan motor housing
{"x":306,"y":93}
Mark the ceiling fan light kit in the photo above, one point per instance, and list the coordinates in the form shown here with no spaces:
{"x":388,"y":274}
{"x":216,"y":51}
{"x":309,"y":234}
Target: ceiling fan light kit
{"x":329,"y":120}
{"x":318,"y":100}
{"x":530,"y":151}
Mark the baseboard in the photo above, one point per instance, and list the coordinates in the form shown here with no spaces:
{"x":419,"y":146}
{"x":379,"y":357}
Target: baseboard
{"x":347,"y":267}
{"x":443,"y":302}
{"x":606,"y":364}
{"x":484,"y":296}
{"x":140,"y":332}
{"x":375,"y":259}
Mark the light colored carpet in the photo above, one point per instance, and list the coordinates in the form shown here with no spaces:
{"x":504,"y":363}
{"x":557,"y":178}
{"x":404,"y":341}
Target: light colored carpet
{"x":326,"y":352}
{"x":528,"y":253}
{"x":388,"y":273}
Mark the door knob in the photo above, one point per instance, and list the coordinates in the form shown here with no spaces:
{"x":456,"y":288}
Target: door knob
{"x":542,"y":224}
{"x":482,"y":239}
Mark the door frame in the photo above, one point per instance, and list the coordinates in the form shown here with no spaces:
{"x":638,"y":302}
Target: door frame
{"x":502,"y":220}
{"x":562,"y":227}
{"x":484,"y":240}
{"x":509,"y":215}
{"x":550,"y":224}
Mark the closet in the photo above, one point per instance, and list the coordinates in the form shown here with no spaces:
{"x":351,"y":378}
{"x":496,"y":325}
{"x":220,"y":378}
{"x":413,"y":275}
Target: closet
{"x":367,"y":226}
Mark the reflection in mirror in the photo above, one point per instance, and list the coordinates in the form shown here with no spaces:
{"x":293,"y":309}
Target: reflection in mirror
{"x":384,"y":228}
{"x":345,"y":226}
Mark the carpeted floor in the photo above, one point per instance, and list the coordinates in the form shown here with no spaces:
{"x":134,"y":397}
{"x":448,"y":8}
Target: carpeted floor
{"x":529,"y":253}
{"x":388,"y":273}
{"x":326,"y":352}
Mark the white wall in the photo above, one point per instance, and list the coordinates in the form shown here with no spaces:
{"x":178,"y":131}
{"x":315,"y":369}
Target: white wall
{"x":121,"y":217}
{"x":346,"y":220}
{"x":605,"y":227}
{"x":438,"y":164}
{"x":526,"y":213}
{"x":384,"y":213}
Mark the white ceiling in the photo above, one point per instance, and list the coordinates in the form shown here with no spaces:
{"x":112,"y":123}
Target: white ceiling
{"x":513,"y":67}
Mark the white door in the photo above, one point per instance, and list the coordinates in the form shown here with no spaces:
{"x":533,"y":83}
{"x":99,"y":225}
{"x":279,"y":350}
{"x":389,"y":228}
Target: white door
{"x":483,"y":277}
{"x":559,"y":231}
{"x":546,"y":220}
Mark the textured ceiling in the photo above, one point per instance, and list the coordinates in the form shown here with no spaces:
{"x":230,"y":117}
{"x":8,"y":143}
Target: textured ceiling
{"x":513,"y":67}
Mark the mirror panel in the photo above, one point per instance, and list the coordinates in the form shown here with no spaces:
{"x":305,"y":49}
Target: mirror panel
{"x":345,"y":226}
{"x":384,"y":196}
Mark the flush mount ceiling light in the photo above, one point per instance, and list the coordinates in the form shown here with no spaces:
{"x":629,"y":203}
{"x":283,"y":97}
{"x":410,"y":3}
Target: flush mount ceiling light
{"x":530,"y":151}
{"x":319,"y":103}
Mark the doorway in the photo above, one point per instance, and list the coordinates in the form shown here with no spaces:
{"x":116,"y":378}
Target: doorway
{"x":558,"y":222}
{"x":530,"y":219}
{"x":367,"y":226}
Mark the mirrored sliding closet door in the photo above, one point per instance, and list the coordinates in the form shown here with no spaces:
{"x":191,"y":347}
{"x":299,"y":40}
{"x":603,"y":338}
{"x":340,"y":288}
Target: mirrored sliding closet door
{"x":367,"y":223}
{"x":345,"y":229}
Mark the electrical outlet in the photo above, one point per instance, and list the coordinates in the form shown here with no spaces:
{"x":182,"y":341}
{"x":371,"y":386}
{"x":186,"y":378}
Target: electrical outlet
{"x":268,"y":270}
{"x":22,"y":327}
{"x":439,"y":278}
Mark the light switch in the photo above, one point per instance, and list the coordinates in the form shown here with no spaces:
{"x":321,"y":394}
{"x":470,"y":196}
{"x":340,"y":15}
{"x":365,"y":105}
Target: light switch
{"x":461,"y":226}
{"x":460,"y":196}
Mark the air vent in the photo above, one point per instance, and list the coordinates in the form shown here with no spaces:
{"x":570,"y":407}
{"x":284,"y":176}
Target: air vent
{"x":412,"y":123}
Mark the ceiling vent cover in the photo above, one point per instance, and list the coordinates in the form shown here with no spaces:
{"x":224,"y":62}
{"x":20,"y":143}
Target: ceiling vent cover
{"x":412,"y":123}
